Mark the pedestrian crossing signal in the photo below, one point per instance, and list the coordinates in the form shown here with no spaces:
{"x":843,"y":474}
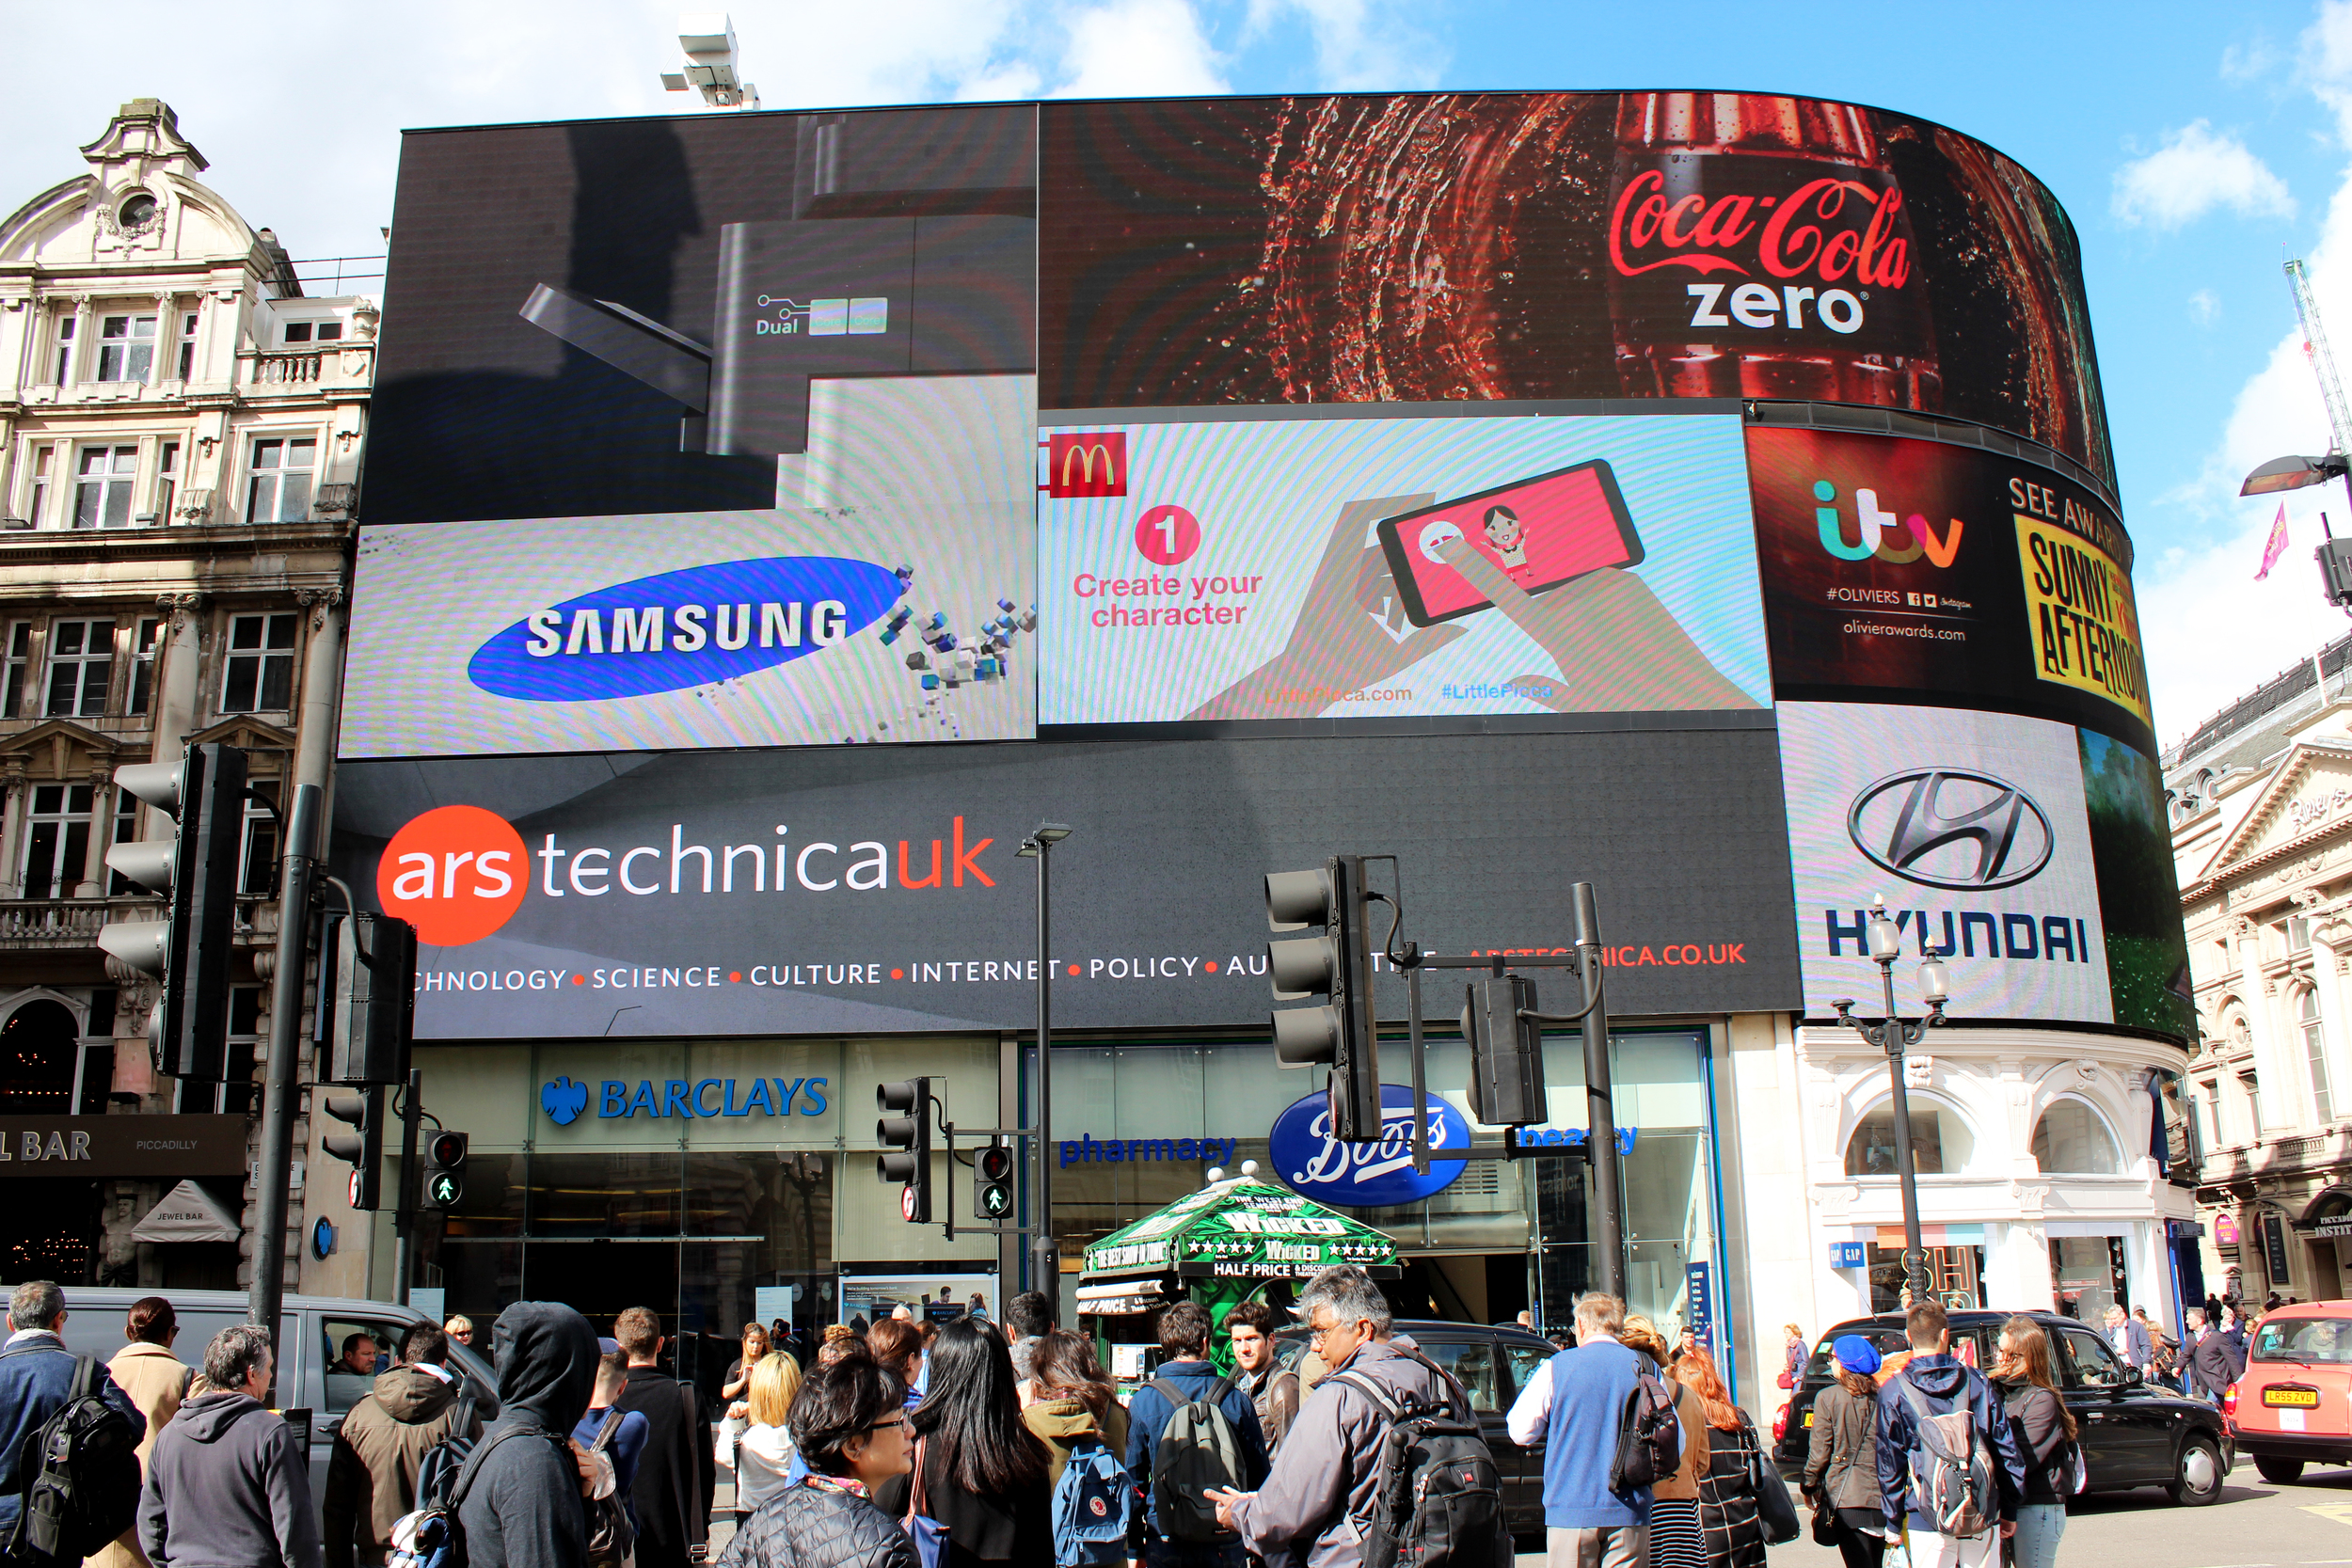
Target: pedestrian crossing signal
{"x":445,"y":1170}
{"x":991,"y":1183}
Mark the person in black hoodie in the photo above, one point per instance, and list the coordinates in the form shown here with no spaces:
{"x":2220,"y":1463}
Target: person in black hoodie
{"x":227,"y":1484}
{"x":519,"y":1495}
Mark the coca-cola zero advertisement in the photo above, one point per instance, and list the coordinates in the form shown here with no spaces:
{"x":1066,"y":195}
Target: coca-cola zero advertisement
{"x":1480,"y":246}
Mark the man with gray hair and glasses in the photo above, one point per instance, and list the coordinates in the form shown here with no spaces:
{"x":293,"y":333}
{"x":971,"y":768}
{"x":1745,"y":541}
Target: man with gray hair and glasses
{"x":1577,"y":1399}
{"x":228,"y":1481}
{"x":37,"y":1374}
{"x":1326,"y":1470}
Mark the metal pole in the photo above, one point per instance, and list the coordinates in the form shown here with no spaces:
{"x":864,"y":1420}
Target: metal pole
{"x":285,"y":1035}
{"x":1915,"y":1253}
{"x":1600,"y":1137}
{"x":1047,"y":1268}
{"x":405,"y":1204}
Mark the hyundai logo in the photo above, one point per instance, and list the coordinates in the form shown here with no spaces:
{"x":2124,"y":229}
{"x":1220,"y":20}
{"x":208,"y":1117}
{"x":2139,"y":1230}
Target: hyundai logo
{"x":1948,"y":828}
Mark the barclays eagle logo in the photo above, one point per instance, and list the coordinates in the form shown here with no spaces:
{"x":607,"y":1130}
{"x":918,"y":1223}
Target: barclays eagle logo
{"x":563,"y":1100}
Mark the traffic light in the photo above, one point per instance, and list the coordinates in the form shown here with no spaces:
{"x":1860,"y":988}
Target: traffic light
{"x":444,"y":1171}
{"x":363,"y":1148}
{"x":991,"y":1183}
{"x":906,"y":1141}
{"x":1506,"y":1084}
{"x":2335,"y":570}
{"x":1338,"y":964}
{"x":375,"y":992}
{"x":197,"y":872}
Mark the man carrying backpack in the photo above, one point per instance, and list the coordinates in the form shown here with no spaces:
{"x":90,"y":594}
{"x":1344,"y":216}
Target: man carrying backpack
{"x":1948,"y":1456}
{"x":36,"y":1380}
{"x":1328,"y":1475}
{"x":371,"y":1479}
{"x":1190,"y":1430}
{"x":228,"y":1481}
{"x":1577,"y":1404}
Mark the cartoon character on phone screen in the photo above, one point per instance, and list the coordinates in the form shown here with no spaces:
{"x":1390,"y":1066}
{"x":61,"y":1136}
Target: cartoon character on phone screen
{"x":1508,"y":539}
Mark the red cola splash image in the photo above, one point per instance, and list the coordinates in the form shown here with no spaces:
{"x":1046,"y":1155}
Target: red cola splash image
{"x":1450,"y":248}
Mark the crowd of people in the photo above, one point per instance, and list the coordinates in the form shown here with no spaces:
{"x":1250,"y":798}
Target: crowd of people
{"x":923,"y":1443}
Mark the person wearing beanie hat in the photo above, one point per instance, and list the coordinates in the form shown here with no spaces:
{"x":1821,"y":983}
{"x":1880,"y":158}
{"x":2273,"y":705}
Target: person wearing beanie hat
{"x":1841,"y":1468}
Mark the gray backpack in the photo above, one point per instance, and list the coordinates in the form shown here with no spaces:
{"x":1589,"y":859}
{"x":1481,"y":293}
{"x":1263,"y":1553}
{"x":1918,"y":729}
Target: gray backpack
{"x":1951,"y":1467}
{"x":1199,"y":1451}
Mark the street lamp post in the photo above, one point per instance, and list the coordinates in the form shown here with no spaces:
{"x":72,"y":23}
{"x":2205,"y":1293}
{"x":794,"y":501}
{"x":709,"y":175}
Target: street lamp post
{"x":1038,"y":847}
{"x":2296,"y":473}
{"x":1895,"y":1035}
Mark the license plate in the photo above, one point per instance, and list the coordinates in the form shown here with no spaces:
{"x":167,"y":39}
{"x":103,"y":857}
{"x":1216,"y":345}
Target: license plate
{"x":2306,"y":1398}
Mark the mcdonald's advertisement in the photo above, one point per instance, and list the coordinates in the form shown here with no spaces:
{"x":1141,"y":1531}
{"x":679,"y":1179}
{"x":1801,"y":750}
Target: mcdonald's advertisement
{"x":1903,"y":570}
{"x":1339,"y":564}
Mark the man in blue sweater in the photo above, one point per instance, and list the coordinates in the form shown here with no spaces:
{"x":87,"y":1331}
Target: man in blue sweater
{"x":1578,"y":1398}
{"x":1184,"y":1366}
{"x":35,"y":1376}
{"x":1944,"y":1384}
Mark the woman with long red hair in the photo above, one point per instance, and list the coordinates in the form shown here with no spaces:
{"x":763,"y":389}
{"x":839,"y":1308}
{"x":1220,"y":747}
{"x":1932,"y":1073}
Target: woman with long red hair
{"x":1734,"y":1535}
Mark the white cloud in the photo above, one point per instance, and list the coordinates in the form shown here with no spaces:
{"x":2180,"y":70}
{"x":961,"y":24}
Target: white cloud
{"x":1358,"y":45}
{"x":2195,"y":171}
{"x":1135,"y":48}
{"x":2205,"y":307}
{"x":2325,"y":55}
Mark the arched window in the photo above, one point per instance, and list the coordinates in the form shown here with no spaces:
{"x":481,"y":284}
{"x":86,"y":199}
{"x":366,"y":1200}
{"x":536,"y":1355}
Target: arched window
{"x":2315,"y":1056}
{"x":2070,"y":1138}
{"x":39,"y":1045}
{"x":1940,"y":1141}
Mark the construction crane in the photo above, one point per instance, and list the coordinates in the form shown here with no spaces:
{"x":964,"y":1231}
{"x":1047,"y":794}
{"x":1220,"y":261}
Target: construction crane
{"x":2323,"y":362}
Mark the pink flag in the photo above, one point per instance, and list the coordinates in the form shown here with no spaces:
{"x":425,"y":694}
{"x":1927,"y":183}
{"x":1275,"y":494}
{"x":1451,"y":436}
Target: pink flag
{"x":2276,"y":546}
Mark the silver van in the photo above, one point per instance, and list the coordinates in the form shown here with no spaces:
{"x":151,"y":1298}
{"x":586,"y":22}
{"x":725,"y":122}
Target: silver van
{"x":315,"y":1330}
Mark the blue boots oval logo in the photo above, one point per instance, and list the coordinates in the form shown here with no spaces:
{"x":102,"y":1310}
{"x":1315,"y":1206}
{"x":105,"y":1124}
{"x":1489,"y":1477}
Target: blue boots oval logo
{"x":563,"y":1100}
{"x":676,"y":630}
{"x":1365,"y":1176}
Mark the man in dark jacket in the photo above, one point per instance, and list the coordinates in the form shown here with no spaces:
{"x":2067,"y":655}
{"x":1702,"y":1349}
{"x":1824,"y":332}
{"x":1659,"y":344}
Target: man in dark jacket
{"x":1184,"y":1368}
{"x":521,"y":1503}
{"x":36,"y":1377}
{"x":371,"y":1479}
{"x":677,"y":1474}
{"x":1944,"y":1384}
{"x":2211,"y":1361}
{"x":229,"y":1482}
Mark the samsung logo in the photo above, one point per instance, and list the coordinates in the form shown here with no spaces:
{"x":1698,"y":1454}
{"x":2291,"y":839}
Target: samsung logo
{"x":696,"y":626}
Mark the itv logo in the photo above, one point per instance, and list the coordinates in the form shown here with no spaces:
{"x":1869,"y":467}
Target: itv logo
{"x":1878,"y":533}
{"x":1082,"y":465}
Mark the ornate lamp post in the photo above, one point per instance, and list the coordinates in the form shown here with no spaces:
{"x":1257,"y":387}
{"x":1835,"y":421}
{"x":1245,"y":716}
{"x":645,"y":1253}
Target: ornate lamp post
{"x":1895,"y":1035}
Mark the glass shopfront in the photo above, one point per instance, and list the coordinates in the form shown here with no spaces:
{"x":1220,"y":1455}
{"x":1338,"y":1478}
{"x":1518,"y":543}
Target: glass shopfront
{"x":683,"y":1176}
{"x":1503,"y":1237}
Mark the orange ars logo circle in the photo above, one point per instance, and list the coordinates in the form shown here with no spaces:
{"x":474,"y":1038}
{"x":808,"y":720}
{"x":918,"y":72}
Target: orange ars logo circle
{"x":456,"y":873}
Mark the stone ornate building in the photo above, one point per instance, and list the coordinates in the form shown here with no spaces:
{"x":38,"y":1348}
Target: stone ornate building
{"x":2261,"y":798}
{"x":181,"y":431}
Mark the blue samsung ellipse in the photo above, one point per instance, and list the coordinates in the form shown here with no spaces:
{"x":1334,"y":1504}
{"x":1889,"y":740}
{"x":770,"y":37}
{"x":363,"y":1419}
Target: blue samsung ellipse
{"x":505,"y":666}
{"x":1365,"y":1176}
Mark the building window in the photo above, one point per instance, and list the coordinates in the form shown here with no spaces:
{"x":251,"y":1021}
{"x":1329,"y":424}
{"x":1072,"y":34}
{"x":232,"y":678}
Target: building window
{"x":2298,"y":934}
{"x":65,"y":350}
{"x":257,"y":675}
{"x":2254,"y":1106}
{"x":102,"y":496}
{"x":257,"y":856}
{"x":239,"y":1094}
{"x":39,"y":508}
{"x":166,"y":481}
{"x":126,"y":829}
{"x":20,"y":664}
{"x":81,"y":665}
{"x":57,"y":839}
{"x":2070,"y":1138}
{"x":187,"y":346}
{"x":1940,"y":1143}
{"x":146,"y":643}
{"x":279,"y":491}
{"x":2315,"y":1057}
{"x":126,"y":348}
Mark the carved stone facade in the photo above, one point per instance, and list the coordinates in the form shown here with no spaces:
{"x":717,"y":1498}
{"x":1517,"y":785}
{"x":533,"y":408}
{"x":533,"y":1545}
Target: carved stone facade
{"x":181,"y":435}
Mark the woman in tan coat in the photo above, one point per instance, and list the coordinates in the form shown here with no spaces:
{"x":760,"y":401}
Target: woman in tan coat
{"x":1675,"y":1540}
{"x":157,"y":1381}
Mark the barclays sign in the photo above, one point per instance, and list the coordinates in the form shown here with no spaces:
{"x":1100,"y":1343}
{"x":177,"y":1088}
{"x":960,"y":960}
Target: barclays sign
{"x":1310,"y":1161}
{"x":565,"y":1100}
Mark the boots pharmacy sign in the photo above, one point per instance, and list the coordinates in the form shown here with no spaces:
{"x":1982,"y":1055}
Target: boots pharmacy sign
{"x":1365,"y":1176}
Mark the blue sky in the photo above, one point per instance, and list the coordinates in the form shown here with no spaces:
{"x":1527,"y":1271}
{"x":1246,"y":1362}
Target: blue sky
{"x":2195,"y":146}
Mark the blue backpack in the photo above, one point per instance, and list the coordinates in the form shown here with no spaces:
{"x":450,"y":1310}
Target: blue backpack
{"x":1094,"y":1504}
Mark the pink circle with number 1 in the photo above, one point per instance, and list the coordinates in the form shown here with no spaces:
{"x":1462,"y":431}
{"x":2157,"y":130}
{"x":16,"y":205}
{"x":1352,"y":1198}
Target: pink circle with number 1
{"x":1167,"y":535}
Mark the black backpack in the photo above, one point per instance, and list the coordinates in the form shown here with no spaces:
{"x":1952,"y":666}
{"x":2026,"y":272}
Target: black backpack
{"x":77,"y":1475}
{"x":1437,"y":1494}
{"x":1649,"y":1435}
